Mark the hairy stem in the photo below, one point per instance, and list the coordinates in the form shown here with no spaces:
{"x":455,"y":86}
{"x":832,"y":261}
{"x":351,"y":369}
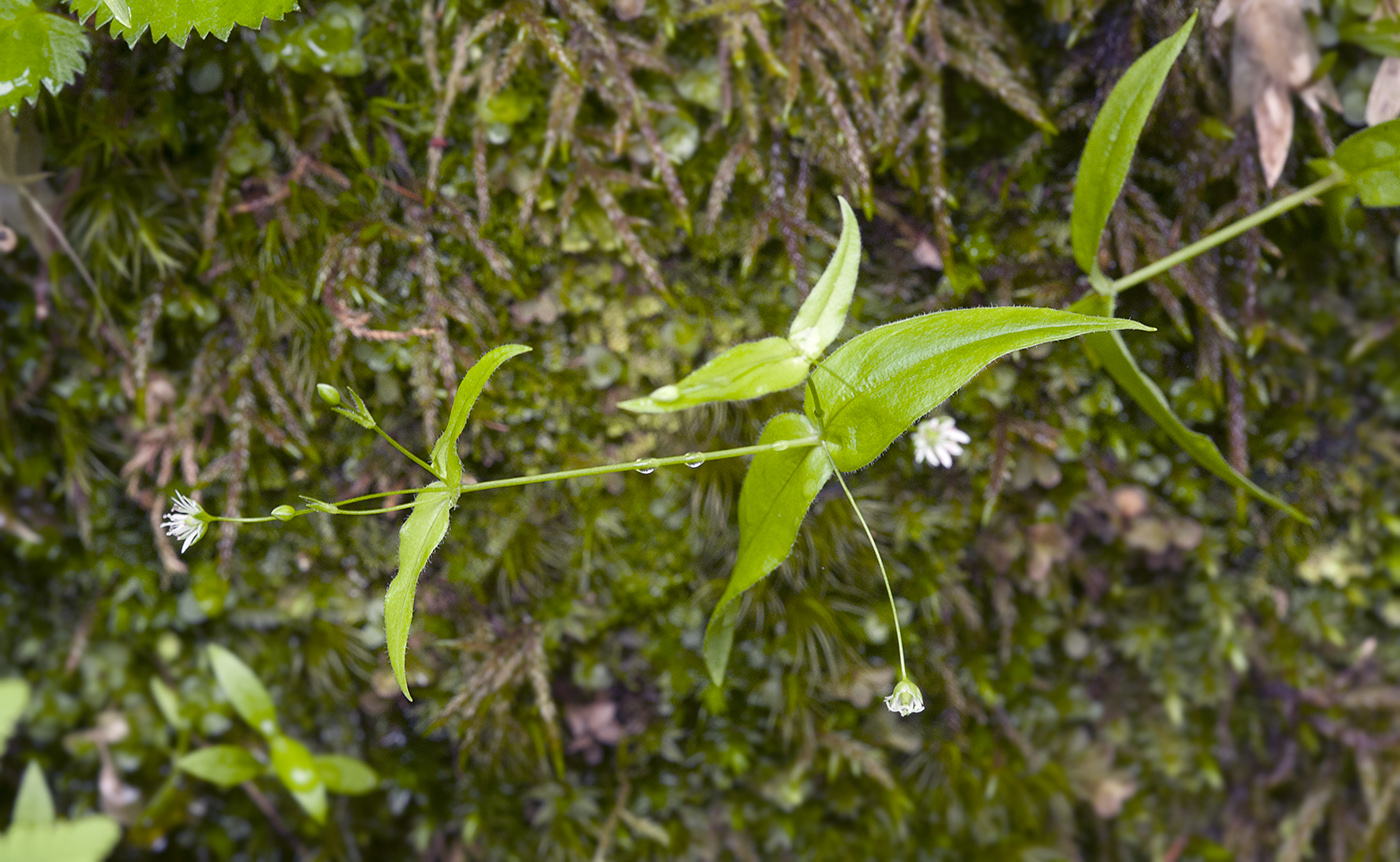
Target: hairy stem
{"x":889,"y":590}
{"x":1229,"y":232}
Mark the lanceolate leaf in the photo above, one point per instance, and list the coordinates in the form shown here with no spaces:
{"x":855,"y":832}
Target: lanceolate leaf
{"x":822,"y":315}
{"x":1108,"y":350}
{"x":33,"y":803}
{"x":224,"y":765}
{"x":176,"y":18}
{"x":745,"y":371}
{"x":445,"y":459}
{"x":1372,"y":160}
{"x":1109,"y":151}
{"x":872,"y":389}
{"x":245,"y":691}
{"x":778,"y":490}
{"x":346,"y":775}
{"x":36,"y":50}
{"x":419,"y":536}
{"x":86,"y":839}
{"x":297,"y":769}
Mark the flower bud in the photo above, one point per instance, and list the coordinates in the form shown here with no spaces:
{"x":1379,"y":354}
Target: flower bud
{"x":906,"y":698}
{"x":284,"y":512}
{"x":328,"y":393}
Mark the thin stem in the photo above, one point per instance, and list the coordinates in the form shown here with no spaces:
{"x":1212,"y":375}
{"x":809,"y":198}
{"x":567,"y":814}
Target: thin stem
{"x":400,"y":507}
{"x":693,"y":459}
{"x":240,"y":520}
{"x":412,"y":457}
{"x":894,"y":609}
{"x":379,"y":496}
{"x":1274,"y":209}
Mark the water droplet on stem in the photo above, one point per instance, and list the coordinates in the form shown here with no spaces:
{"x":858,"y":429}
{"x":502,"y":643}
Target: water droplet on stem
{"x":694,"y":459}
{"x":645,"y":466}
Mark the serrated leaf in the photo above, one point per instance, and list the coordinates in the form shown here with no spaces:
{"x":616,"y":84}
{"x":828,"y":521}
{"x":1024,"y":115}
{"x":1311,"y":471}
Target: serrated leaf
{"x":297,"y":769}
{"x":176,"y":18}
{"x":778,"y":489}
{"x":419,"y":536}
{"x":445,"y":459}
{"x":742,"y":372}
{"x":244,"y":690}
{"x":822,"y":315}
{"x":1109,"y":351}
{"x":1108,"y":153}
{"x":37,"y":50}
{"x":14,"y":699}
{"x":346,"y":775}
{"x":1371,"y":159}
{"x":120,"y":12}
{"x":873,"y":388}
{"x":224,"y":765}
{"x":86,"y":839}
{"x":33,"y":803}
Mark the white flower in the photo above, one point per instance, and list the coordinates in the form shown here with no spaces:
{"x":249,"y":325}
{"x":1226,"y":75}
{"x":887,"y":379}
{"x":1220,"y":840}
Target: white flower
{"x":187,"y":522}
{"x":938,"y":441}
{"x":906,"y":698}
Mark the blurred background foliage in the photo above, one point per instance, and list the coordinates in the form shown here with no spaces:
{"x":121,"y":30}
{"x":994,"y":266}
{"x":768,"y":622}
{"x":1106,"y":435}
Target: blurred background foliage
{"x":1121,"y":659}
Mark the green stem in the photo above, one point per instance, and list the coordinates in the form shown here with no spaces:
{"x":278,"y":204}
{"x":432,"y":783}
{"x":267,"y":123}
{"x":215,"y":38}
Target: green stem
{"x":693,"y":459}
{"x":239,"y":520}
{"x":1273,"y":210}
{"x":889,"y":590}
{"x":412,"y":457}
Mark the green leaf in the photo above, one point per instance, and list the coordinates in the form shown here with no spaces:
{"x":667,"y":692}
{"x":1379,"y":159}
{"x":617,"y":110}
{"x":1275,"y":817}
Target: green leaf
{"x":244,"y":690}
{"x":120,"y":12}
{"x":168,"y":702}
{"x":1371,"y":159}
{"x":742,"y":372}
{"x":822,"y":315}
{"x":33,"y":803}
{"x":297,"y":769}
{"x":1108,"y":152}
{"x":419,"y":536}
{"x":880,"y":382}
{"x":176,"y":18}
{"x":1108,"y":350}
{"x":778,"y":489}
{"x":346,"y":775}
{"x":1379,"y":37}
{"x":224,"y":765}
{"x":86,"y":839}
{"x":445,"y":459}
{"x":14,"y":698}
{"x":36,"y":50}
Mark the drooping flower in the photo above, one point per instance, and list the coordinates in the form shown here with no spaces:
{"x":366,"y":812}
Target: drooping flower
{"x":186,"y":523}
{"x":906,"y":699}
{"x":938,"y":441}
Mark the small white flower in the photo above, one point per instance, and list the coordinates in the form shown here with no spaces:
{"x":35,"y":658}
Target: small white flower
{"x":938,"y":441}
{"x":186,"y":523}
{"x":906,"y":698}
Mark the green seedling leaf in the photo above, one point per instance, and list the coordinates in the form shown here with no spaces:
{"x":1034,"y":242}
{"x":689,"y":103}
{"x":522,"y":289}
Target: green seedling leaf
{"x":346,"y":775}
{"x":297,"y":769}
{"x":1371,"y":159}
{"x":419,"y":536}
{"x":1108,"y":350}
{"x":168,"y":702}
{"x":86,"y":839}
{"x":1108,"y":153}
{"x":33,"y":803}
{"x":244,"y":690}
{"x":742,"y":372}
{"x":445,"y":459}
{"x":176,"y":19}
{"x":822,"y":315}
{"x":1379,"y":37}
{"x":224,"y":765}
{"x":880,"y":382}
{"x":37,"y":50}
{"x":14,"y":698}
{"x":778,"y":489}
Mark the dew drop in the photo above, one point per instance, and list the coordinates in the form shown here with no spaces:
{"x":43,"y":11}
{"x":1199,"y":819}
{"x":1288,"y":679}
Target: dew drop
{"x":694,"y":459}
{"x":780,"y":446}
{"x":666,"y":393}
{"x":645,"y":466}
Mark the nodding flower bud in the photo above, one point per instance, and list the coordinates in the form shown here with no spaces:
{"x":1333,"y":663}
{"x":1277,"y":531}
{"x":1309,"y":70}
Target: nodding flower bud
{"x":284,"y":512}
{"x":328,"y":393}
{"x":906,"y":698}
